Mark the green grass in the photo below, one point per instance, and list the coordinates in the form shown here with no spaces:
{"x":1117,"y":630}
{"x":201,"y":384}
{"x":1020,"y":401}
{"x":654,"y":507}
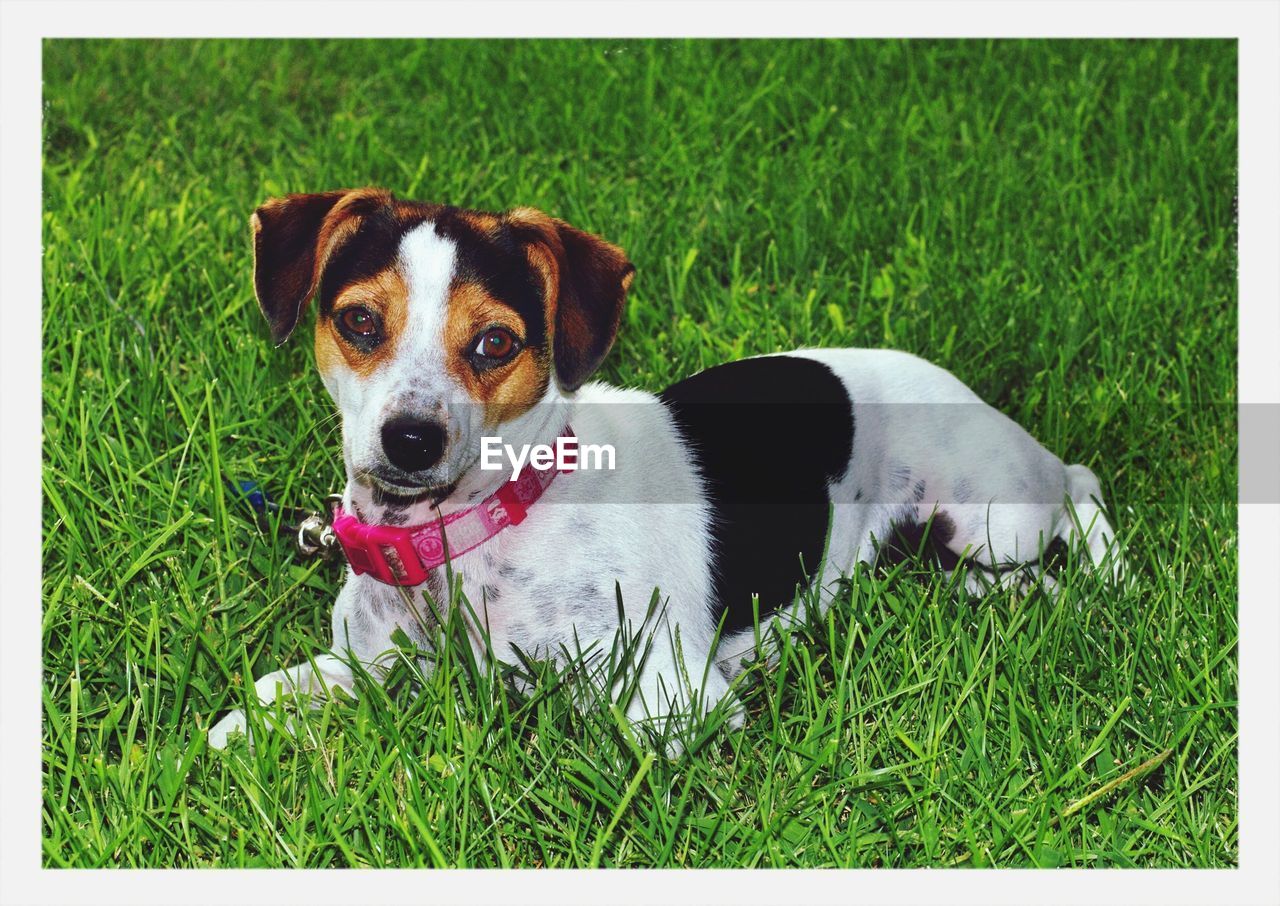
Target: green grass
{"x":1053,"y":221}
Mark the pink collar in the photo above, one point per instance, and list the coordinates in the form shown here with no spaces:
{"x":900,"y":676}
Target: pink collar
{"x":415,"y":550}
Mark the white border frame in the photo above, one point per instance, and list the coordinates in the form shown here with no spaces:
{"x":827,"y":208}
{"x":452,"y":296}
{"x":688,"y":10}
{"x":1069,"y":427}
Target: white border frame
{"x":24,"y":22}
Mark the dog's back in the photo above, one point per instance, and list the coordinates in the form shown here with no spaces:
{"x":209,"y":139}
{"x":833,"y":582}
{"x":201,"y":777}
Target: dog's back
{"x":818,"y":459}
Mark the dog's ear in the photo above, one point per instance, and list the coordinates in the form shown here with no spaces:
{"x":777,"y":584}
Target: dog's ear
{"x":585,"y":281}
{"x":293,"y":238}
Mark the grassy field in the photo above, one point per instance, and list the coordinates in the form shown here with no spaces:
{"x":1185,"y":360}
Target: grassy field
{"x":1053,"y":221}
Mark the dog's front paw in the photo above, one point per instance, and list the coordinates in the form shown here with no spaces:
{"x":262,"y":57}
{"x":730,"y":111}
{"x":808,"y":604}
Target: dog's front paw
{"x":232,"y":723}
{"x":735,"y":714}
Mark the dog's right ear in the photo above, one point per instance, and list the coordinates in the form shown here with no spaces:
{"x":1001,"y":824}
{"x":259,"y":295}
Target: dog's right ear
{"x":293,"y":238}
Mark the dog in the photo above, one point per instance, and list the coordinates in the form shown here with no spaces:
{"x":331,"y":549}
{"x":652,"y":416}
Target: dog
{"x":439,"y":329}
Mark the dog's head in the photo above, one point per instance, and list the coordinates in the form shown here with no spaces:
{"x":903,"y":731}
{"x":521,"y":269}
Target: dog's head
{"x":436,"y":325}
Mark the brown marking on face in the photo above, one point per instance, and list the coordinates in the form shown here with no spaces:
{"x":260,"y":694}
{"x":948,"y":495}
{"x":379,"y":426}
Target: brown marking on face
{"x":543,"y":253}
{"x":386,"y":294}
{"x":546,"y":266}
{"x":506,"y":391}
{"x":482,"y":221}
{"x":333,"y":233}
{"x":585,"y":281}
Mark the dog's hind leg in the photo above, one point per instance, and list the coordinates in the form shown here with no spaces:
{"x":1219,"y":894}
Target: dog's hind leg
{"x":1084,"y":521}
{"x":1022,"y":579}
{"x":1002,"y":543}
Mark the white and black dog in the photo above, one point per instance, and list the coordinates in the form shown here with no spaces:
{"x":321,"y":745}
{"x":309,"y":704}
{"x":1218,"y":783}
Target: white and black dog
{"x":439,"y":327}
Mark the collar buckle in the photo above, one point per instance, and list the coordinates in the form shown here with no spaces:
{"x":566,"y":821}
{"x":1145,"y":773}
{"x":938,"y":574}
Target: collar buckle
{"x":315,"y":536}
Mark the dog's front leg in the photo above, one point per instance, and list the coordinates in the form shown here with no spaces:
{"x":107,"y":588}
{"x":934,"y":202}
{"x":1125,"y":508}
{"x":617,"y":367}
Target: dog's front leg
{"x":311,"y":679}
{"x":676,"y":681}
{"x":365,"y":615}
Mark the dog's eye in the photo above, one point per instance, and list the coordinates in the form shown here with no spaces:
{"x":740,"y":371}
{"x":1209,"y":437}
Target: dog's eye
{"x":359,"y":321}
{"x":495,"y":345}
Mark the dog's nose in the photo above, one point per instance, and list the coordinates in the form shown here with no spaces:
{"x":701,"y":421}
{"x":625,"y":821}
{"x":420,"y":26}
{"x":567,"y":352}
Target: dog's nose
{"x":413,"y":445}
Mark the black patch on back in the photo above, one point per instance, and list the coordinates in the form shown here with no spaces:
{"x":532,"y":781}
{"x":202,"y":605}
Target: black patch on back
{"x":769,"y":435}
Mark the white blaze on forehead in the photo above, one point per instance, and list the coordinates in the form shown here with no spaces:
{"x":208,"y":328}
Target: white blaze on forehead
{"x":427,"y":262}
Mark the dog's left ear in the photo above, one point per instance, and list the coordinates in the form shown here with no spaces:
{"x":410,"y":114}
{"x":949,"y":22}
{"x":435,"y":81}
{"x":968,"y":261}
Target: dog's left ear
{"x":293,"y":238}
{"x":585,"y":282}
